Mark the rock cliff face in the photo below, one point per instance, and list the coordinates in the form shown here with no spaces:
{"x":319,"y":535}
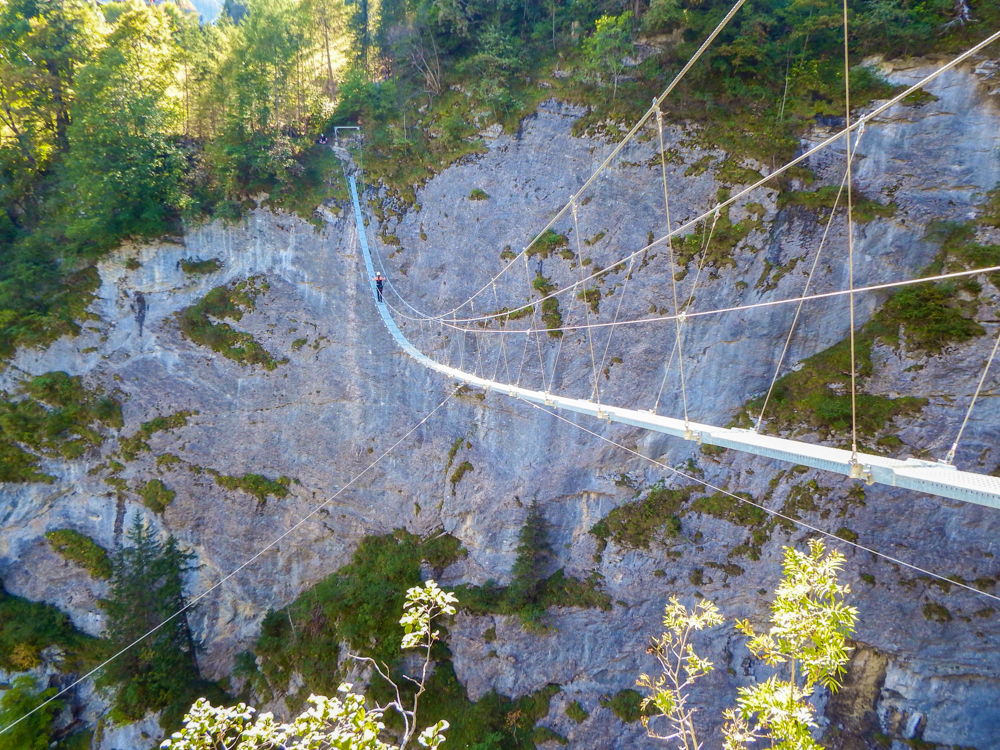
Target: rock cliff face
{"x":346,"y":396}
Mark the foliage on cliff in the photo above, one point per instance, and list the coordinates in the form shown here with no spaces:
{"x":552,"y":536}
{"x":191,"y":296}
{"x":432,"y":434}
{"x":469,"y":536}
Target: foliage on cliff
{"x":159,"y":673}
{"x":120,"y":120}
{"x":51,"y":416}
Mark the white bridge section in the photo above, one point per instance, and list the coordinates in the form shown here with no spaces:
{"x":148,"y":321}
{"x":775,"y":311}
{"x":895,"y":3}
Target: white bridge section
{"x":931,"y":477}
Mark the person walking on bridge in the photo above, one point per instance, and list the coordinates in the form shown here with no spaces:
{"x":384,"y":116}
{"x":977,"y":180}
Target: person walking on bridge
{"x":379,"y":281}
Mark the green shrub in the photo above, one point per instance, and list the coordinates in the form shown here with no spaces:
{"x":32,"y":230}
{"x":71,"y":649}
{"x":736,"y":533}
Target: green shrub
{"x":228,"y":302}
{"x":255,"y":484}
{"x":82,"y":550}
{"x":463,"y":468}
{"x":635,"y":524}
{"x":864,"y":209}
{"x":625,"y":704}
{"x":530,"y":592}
{"x":577,"y":712}
{"x":130,"y":447}
{"x":544,"y":734}
{"x":936,"y":612}
{"x":846,"y":534}
{"x":195,"y":266}
{"x":478,"y":195}
{"x":721,"y":505}
{"x":550,"y":242}
{"x":26,"y":628}
{"x":357,"y":605}
{"x":58,"y":418}
{"x":156,"y":496}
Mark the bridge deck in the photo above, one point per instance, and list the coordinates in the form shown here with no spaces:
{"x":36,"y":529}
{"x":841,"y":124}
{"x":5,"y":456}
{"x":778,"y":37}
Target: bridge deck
{"x":931,"y":477}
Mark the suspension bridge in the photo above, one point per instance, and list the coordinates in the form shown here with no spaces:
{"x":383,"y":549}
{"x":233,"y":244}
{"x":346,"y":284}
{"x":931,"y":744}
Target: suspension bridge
{"x":931,"y":477}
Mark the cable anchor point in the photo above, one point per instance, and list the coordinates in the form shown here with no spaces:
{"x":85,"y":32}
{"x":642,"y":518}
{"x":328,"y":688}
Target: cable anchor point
{"x":951,"y":454}
{"x":860,"y":471}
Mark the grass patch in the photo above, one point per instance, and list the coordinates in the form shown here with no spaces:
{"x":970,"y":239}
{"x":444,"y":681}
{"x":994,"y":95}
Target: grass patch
{"x":549,"y":243}
{"x":156,"y":496}
{"x":720,"y":252}
{"x":82,"y":550}
{"x":194,"y":266}
{"x":26,"y":628}
{"x":721,"y":505}
{"x":55,"y":417}
{"x":576,"y":712}
{"x":228,"y":302}
{"x":625,"y":704}
{"x":635,"y":524}
{"x":463,"y":468}
{"x":478,"y":195}
{"x":255,"y":484}
{"x":818,"y":394}
{"x":551,"y":316}
{"x":359,"y":606}
{"x":864,"y":209}
{"x":130,"y":447}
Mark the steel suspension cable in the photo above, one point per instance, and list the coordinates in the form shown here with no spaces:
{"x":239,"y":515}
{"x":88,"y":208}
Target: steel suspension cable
{"x":628,"y":137}
{"x":678,"y":315}
{"x":503,"y":347}
{"x":850,"y":250}
{"x":798,"y":310}
{"x":774,"y":513}
{"x":595,"y":392}
{"x":861,"y":122}
{"x":706,"y":243}
{"x":954,"y":446}
{"x":618,"y":309}
{"x":231,"y":574}
{"x":789,"y":300}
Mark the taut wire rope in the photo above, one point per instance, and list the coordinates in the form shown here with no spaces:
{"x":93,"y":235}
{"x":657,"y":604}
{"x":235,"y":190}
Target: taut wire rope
{"x":534,"y":315}
{"x":618,"y":309}
{"x":850,"y":250}
{"x":954,"y":446}
{"x":782,"y":169}
{"x":503,"y":339}
{"x":706,"y":243}
{"x":805,"y":290}
{"x":628,"y":136}
{"x":595,"y":392}
{"x":226,"y":577}
{"x":678,"y":315}
{"x":776,"y":514}
{"x":788,"y":300}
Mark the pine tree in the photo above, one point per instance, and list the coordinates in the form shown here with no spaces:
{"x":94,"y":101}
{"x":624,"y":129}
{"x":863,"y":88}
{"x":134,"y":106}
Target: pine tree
{"x":146,"y":589}
{"x":528,"y":574}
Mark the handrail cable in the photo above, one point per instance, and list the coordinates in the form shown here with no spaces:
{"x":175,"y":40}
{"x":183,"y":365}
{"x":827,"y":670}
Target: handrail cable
{"x":635,"y":129}
{"x":860,"y":122}
{"x":534,"y":316}
{"x":775,"y":513}
{"x":234,"y":572}
{"x":786,"y":301}
{"x":798,"y":310}
{"x":850,"y":250}
{"x":679,"y":316}
{"x":706,"y":243}
{"x":503,"y":346}
{"x":618,"y":309}
{"x":954,"y":446}
{"x":595,"y":392}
